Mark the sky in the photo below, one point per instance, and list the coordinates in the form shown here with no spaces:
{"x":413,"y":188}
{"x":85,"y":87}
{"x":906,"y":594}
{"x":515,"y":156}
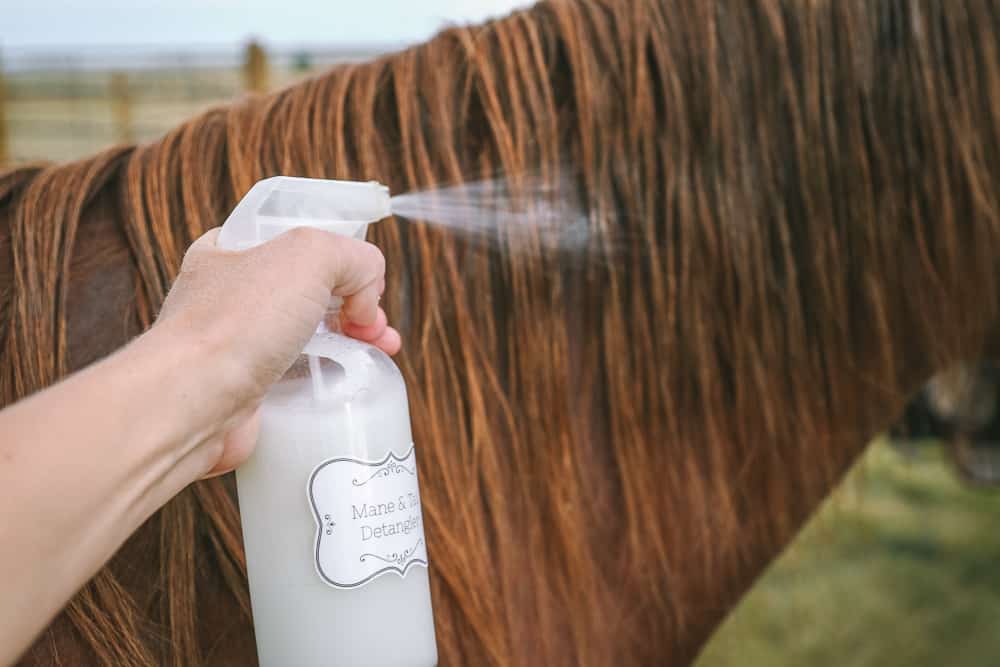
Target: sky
{"x":66,"y":24}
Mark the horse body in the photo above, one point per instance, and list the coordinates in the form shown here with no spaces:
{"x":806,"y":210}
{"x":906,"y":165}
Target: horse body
{"x":789,"y":229}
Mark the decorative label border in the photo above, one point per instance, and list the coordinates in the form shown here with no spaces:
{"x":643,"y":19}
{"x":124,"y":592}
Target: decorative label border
{"x":401,"y":571}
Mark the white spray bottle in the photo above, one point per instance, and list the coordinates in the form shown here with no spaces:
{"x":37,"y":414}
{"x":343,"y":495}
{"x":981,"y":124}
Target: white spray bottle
{"x":330,"y":506}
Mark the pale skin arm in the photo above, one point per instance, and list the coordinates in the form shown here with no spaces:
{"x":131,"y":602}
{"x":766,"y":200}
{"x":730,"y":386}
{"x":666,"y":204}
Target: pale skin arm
{"x":85,"y":462}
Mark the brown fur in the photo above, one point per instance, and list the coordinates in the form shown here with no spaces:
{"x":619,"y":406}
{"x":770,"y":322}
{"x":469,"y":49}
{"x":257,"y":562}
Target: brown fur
{"x":794,"y":222}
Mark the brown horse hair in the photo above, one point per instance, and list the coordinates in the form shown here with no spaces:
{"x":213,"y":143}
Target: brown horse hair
{"x":793,"y":222}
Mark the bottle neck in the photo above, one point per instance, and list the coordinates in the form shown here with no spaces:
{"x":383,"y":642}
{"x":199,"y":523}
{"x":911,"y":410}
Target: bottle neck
{"x":331,"y":320}
{"x":330,"y":324}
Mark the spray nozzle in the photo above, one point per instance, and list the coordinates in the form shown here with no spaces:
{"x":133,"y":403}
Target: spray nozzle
{"x":275,"y":205}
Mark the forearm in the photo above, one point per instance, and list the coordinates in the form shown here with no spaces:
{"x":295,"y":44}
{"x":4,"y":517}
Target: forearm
{"x":84,"y":463}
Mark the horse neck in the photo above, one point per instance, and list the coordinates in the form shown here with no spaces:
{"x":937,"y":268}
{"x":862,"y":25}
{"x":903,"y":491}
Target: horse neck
{"x":634,"y":430}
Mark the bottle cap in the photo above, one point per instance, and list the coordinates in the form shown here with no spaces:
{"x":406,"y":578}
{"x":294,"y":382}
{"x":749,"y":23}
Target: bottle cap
{"x":275,"y":205}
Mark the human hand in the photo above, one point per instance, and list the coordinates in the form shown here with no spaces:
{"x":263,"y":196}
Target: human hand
{"x":248,"y":315}
{"x":175,"y":405}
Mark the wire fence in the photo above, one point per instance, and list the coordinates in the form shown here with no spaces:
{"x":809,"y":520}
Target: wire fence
{"x":62,"y":106}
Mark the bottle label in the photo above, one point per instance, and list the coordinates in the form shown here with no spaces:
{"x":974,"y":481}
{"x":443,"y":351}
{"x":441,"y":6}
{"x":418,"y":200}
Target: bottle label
{"x":368,"y":520}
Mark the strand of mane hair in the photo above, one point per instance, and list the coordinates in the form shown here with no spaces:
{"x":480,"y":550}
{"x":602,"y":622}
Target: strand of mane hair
{"x":789,"y":225}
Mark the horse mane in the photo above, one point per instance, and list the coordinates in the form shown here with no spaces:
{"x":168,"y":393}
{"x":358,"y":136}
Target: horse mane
{"x":792,"y":221}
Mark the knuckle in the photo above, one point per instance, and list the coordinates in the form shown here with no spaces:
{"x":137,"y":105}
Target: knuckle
{"x":377,"y":258}
{"x":192,"y":260}
{"x":299,"y":248}
{"x":321,"y":249}
{"x":305,"y":235}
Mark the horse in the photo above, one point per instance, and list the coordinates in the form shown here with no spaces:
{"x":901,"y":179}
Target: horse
{"x":960,"y":407}
{"x":790,"y":223}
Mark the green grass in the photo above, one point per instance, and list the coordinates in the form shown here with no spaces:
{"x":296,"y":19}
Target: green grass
{"x":900,"y":567}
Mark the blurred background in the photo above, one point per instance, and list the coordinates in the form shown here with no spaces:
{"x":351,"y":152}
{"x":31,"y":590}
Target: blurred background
{"x":76,"y":77}
{"x":902,"y":565}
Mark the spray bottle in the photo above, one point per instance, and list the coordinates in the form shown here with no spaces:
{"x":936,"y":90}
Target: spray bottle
{"x":329,"y":501}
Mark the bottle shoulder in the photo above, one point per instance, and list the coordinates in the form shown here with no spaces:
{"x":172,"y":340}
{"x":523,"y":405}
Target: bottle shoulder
{"x":352,"y":354}
{"x":334,"y":369}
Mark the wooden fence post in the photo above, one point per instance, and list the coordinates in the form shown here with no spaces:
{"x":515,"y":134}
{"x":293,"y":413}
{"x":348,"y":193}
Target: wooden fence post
{"x":121,"y":108}
{"x":255,"y":68}
{"x":4,"y":140}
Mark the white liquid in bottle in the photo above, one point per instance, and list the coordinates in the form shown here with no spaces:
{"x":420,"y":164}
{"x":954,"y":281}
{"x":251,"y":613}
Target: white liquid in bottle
{"x":329,"y":501}
{"x":299,"y":618}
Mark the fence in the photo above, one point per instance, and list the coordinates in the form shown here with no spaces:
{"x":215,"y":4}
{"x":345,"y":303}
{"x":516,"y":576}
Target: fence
{"x":66,"y":106}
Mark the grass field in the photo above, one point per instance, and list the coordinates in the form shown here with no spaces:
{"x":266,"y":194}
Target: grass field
{"x":43,"y":129}
{"x":53,"y":115}
{"x":901,"y":567}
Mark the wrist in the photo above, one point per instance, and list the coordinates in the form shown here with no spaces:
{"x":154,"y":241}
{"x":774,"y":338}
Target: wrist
{"x":100,"y":452}
{"x":181,"y":402}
